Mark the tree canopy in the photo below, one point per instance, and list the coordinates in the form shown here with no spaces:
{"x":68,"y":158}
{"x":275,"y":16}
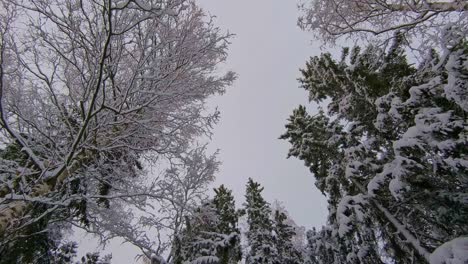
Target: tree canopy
{"x":390,"y":152}
{"x":93,"y":93}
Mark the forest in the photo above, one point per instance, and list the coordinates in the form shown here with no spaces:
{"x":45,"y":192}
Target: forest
{"x":104,"y":117}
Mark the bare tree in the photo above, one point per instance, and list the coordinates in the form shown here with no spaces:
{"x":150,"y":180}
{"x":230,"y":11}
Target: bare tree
{"x":331,"y":19}
{"x":91,"y":88}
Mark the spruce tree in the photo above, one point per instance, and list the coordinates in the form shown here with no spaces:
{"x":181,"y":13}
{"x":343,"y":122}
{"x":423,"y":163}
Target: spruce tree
{"x":65,"y":254}
{"x":284,"y":233}
{"x":322,"y":248}
{"x":390,"y":153}
{"x":224,"y":203}
{"x":260,"y":238}
{"x":95,"y":258}
{"x":211,"y":234}
{"x":197,"y":243}
{"x":37,"y":239}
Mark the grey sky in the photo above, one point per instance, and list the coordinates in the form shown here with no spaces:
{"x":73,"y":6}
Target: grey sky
{"x":266,"y":53}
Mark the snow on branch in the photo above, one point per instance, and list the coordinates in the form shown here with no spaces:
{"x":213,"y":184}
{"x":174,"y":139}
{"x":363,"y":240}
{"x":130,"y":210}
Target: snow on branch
{"x":92,"y":94}
{"x":332,"y":19}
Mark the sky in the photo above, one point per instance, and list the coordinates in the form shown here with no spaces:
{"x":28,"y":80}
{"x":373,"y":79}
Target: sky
{"x":266,"y":52}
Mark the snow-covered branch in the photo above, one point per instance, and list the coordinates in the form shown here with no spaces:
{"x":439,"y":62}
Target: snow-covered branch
{"x":93,"y":93}
{"x":332,"y":19}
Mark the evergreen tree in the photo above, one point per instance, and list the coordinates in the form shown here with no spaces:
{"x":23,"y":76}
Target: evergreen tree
{"x":95,"y":258}
{"x":224,"y":202}
{"x":197,"y":242}
{"x":260,"y":238}
{"x":390,"y":154}
{"x":41,"y":232}
{"x":211,"y":234}
{"x":65,"y":254}
{"x":37,"y":239}
{"x":321,"y":248}
{"x":284,"y":233}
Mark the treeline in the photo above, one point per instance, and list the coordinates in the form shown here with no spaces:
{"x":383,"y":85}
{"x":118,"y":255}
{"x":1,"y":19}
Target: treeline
{"x":212,"y":234}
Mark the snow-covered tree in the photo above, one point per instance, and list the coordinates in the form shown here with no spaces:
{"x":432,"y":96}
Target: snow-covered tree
{"x":390,"y":154}
{"x":261,"y":244}
{"x":284,"y":233}
{"x":95,"y":258}
{"x":231,"y":252}
{"x":299,"y":237}
{"x":66,"y":253}
{"x":323,"y":248}
{"x":211,"y":234}
{"x":331,"y":19}
{"x":183,"y":187}
{"x":89,"y":92}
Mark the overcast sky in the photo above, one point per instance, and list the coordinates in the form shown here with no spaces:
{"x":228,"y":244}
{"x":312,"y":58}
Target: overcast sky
{"x":266,"y":53}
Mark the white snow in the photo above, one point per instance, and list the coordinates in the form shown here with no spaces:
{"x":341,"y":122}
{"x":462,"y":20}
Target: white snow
{"x":206,"y":260}
{"x":451,"y":252}
{"x":456,"y":88}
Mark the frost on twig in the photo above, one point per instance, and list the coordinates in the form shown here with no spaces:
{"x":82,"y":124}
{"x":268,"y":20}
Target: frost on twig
{"x":92,"y":95}
{"x":331,"y":19}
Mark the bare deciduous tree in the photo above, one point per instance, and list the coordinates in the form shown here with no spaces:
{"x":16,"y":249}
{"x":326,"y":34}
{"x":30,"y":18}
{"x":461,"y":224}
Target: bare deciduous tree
{"x":91,"y":88}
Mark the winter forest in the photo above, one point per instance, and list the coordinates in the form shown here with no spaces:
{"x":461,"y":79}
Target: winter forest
{"x":107,"y":125}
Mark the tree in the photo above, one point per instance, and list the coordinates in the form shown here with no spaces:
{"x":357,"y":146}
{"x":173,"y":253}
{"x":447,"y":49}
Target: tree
{"x":95,"y":258}
{"x":211,"y":234}
{"x":330,"y":20}
{"x":65,"y":253}
{"x":260,"y":238}
{"x":284,"y":234}
{"x":389,"y":153}
{"x":323,"y":248}
{"x":224,"y":202}
{"x":38,"y":239}
{"x":91,"y":91}
{"x":183,"y":187}
{"x":298,"y":238}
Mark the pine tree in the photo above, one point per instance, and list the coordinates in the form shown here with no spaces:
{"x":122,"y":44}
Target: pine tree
{"x":224,"y":202}
{"x":197,"y":242}
{"x":390,"y":154}
{"x":95,"y":258}
{"x":37,"y":239}
{"x":322,"y":248}
{"x":261,"y":242}
{"x":284,"y":233}
{"x":317,"y":140}
{"x":211,"y":234}
{"x":65,"y":254}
